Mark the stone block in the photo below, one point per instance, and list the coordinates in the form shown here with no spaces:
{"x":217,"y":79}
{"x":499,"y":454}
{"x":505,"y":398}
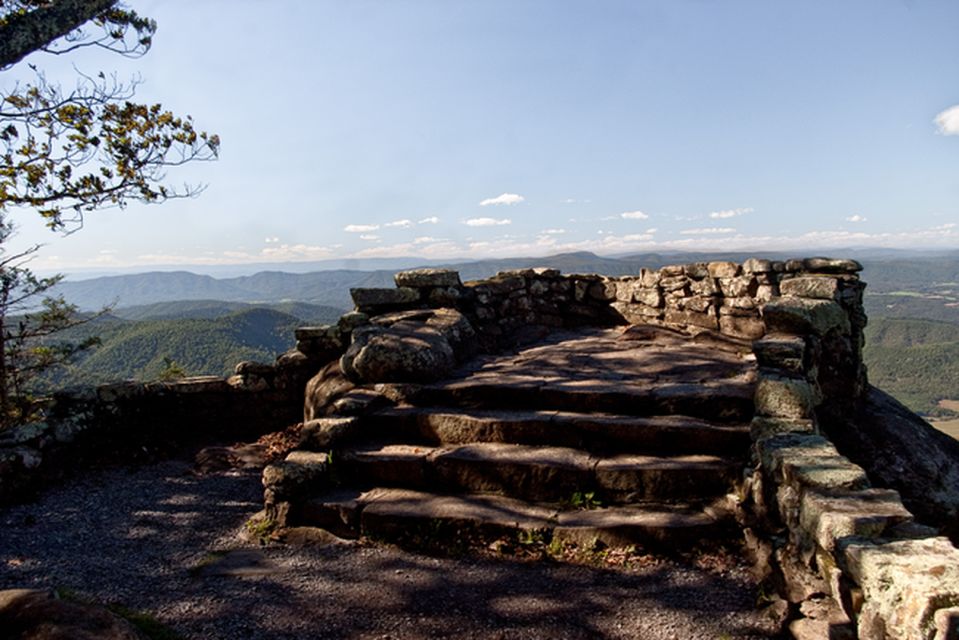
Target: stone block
{"x":804,"y":315}
{"x":546,"y":272}
{"x":905,"y":584}
{"x":604,"y":290}
{"x":781,"y":351}
{"x":820,"y":287}
{"x":300,"y":473}
{"x":379,"y":298}
{"x":704,"y":287}
{"x":738,"y":286}
{"x":321,"y":434}
{"x":427,"y":278}
{"x":673,"y":284}
{"x":803,"y":461}
{"x":700,"y":304}
{"x":741,"y":326}
{"x":649,"y":277}
{"x":649,"y":296}
{"x":672,"y":270}
{"x":766,"y":292}
{"x":696,"y":270}
{"x":831,"y":265}
{"x":723,"y":269}
{"x":785,"y":397}
{"x":868,"y":513}
{"x":764,"y":426}
{"x":694,"y":318}
{"x":757,"y":265}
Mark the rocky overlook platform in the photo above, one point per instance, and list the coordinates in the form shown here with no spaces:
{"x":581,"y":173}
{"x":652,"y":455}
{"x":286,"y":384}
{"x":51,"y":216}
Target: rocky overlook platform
{"x":699,"y":403}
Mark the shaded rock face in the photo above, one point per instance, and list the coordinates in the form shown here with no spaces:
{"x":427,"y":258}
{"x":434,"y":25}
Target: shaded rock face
{"x":900,"y":450}
{"x":416,"y":346}
{"x":26,"y":614}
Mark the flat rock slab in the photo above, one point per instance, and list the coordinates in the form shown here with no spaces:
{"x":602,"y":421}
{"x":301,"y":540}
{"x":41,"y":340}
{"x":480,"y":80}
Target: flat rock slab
{"x":394,"y":511}
{"x":608,"y":370}
{"x":623,"y":526}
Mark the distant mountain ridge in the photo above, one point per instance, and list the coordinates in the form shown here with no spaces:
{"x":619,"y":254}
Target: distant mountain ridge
{"x":886,"y":272}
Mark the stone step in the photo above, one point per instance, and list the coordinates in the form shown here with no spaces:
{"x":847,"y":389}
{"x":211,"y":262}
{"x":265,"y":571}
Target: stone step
{"x":596,"y":433}
{"x":425,"y":517}
{"x":729,"y":400}
{"x":537,"y":473}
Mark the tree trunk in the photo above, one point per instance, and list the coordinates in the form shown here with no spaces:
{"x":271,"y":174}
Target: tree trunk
{"x":25,"y":33}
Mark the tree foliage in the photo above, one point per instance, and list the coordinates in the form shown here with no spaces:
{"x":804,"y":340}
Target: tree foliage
{"x":68,"y":152}
{"x":27,"y":330}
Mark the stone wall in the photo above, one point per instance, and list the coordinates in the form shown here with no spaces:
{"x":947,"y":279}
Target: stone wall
{"x":848,"y":556}
{"x":121,"y":422}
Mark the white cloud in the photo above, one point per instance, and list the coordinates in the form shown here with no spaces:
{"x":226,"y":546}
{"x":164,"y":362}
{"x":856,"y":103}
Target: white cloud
{"x":360,"y":228}
{"x":730,"y":213}
{"x":503,"y":198}
{"x":707,"y":231}
{"x":369,"y":237}
{"x":553,"y":232}
{"x":487,"y":222}
{"x":426,"y":240}
{"x":567,"y":201}
{"x":856,"y":218}
{"x":947,"y":122}
{"x":633,"y":215}
{"x":403,"y":224}
{"x":271,"y":240}
{"x":430,"y":220}
{"x":945,"y":227}
{"x":652,"y":231}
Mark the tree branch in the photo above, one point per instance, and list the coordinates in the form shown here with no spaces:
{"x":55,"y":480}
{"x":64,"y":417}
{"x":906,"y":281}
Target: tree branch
{"x":23,"y":33}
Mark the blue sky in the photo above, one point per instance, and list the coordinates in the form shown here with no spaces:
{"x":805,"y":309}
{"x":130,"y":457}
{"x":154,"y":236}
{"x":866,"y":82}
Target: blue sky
{"x":461,"y":129}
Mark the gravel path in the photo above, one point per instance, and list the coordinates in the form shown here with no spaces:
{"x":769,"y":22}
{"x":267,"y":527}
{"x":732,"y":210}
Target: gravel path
{"x":162,"y":540}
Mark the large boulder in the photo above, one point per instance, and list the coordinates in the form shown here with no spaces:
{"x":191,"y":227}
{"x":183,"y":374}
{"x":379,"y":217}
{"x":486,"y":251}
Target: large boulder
{"x":27,"y":614}
{"x":414,"y":346}
{"x":901,"y":451}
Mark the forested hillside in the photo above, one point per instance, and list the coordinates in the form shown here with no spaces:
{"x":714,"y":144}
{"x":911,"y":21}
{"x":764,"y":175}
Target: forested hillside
{"x":915,"y":360}
{"x":140,"y":349}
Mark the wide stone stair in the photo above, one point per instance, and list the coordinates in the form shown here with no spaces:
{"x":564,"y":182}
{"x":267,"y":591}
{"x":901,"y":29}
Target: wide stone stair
{"x":617,"y":437}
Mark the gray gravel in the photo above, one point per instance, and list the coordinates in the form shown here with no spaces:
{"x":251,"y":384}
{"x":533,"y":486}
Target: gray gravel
{"x":153,"y":539}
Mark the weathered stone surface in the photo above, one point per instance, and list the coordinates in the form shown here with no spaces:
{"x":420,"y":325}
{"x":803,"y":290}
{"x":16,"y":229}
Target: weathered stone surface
{"x":831,"y":265}
{"x":531,"y":473}
{"x":630,"y":478}
{"x":352,"y":320}
{"x":321,"y":434}
{"x":781,"y":351}
{"x":427,"y":278}
{"x":905,"y":584}
{"x":822,"y":287}
{"x":415,"y":346}
{"x":741,"y":326}
{"x":324,"y":389}
{"x":380,"y":298}
{"x":764,"y":426}
{"x":301,"y":471}
{"x":697,"y":270}
{"x":694,"y":318}
{"x":723,"y":269}
{"x":868,"y":513}
{"x":785,"y":397}
{"x":604,"y":290}
{"x":757,"y":265}
{"x":739,"y":286}
{"x":804,"y":315}
{"x":803,"y":461}
{"x":41,"y":615}
{"x":649,"y":296}
{"x":649,"y":277}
